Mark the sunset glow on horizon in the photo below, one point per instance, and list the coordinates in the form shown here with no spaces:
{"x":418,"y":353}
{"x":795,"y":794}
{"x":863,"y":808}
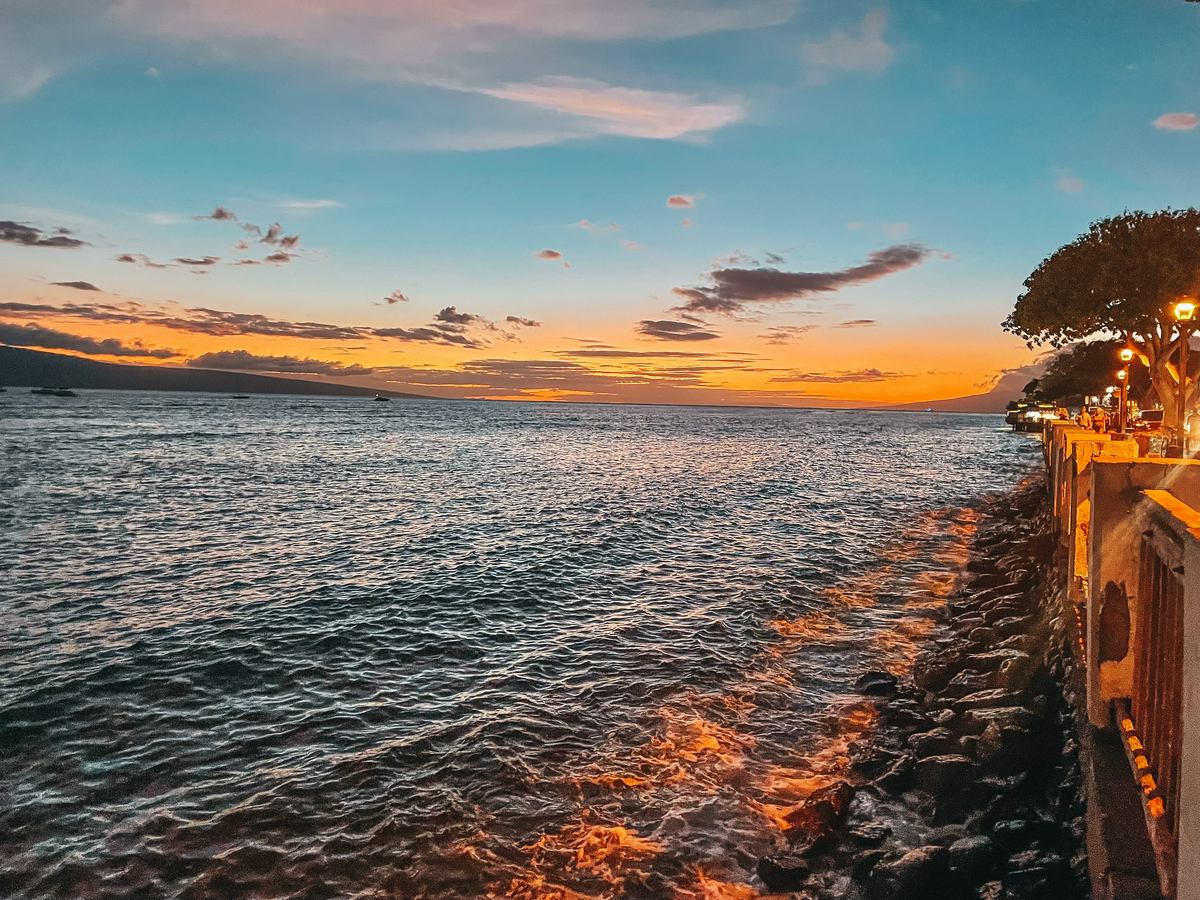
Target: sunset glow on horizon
{"x":768,"y":203}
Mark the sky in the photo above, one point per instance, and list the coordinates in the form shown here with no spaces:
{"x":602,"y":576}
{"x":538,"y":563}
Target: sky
{"x":786,"y":202}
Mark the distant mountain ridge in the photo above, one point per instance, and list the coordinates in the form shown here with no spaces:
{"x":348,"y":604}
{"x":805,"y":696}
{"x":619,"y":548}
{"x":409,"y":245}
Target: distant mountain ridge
{"x":1007,"y":388}
{"x":34,"y":368}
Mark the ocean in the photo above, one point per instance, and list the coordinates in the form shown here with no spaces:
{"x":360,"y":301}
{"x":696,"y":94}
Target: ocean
{"x":308,"y":647}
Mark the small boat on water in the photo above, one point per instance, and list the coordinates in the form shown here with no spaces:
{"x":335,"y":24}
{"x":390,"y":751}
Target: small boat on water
{"x":382,"y":398}
{"x":54,"y":392}
{"x":239,"y":396}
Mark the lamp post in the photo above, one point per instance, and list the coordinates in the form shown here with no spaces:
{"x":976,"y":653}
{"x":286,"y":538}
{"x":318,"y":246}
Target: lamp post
{"x":1126,"y":355}
{"x":1185,"y":310}
{"x":1123,"y":380}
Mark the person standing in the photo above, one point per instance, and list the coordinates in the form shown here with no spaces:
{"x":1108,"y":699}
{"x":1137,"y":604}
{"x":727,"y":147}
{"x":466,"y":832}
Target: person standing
{"x":1084,"y":419}
{"x":1100,"y":419}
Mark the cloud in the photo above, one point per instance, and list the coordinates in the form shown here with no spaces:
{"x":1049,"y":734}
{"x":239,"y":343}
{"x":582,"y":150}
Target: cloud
{"x":598,"y":227}
{"x":785,"y":334}
{"x":219,"y":214}
{"x":684,"y":201}
{"x":1068,"y":183}
{"x":152,"y":72}
{"x":34,"y":335}
{"x":670,"y":330}
{"x":279,"y":258}
{"x":292,"y":365}
{"x":453,"y":316}
{"x":865,"y":51}
{"x":32,"y":236}
{"x":429,"y":335}
{"x":78,"y":285}
{"x":614,"y":353}
{"x":548,"y":254}
{"x":396,"y":296}
{"x":733,"y":288}
{"x":861,"y":375}
{"x":686,"y":223}
{"x":140,"y":259}
{"x":197,"y":261}
{"x":303,"y":205}
{"x":631,"y":246}
{"x":1177,"y":121}
{"x":857,"y":323}
{"x":450,"y":327}
{"x":522,"y":322}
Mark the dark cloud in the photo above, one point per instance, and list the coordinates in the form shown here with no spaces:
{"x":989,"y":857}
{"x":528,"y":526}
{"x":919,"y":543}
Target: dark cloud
{"x":219,"y":214}
{"x":548,"y":254}
{"x":785,"y":334}
{"x":452,"y":329}
{"x":857,"y":323}
{"x":78,"y":285}
{"x":279,"y":258}
{"x":733,"y":288}
{"x":292,"y":365}
{"x":613,"y":353}
{"x":861,"y":375}
{"x":396,"y":296}
{"x":247,"y":262}
{"x":669,"y":330}
{"x":32,"y":236}
{"x":683,"y":201}
{"x":452,"y":315}
{"x":429,"y":335}
{"x":273,"y":233}
{"x":140,"y":259}
{"x":197,"y":261}
{"x":34,"y":335}
{"x":522,"y":322}
{"x":774,"y":258}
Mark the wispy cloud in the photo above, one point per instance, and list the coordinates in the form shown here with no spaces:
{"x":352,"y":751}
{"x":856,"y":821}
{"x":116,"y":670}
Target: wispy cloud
{"x":243,"y":360}
{"x":681,"y":201}
{"x":631,"y":112}
{"x":1177,"y":121}
{"x":865,"y":50}
{"x":785,"y":334}
{"x":1067,"y":183}
{"x":396,"y":296}
{"x":733,"y":288}
{"x":307,"y":205}
{"x":34,"y":335}
{"x":77,"y":285}
{"x":857,"y":323}
{"x":845,"y":377}
{"x":670,"y":330}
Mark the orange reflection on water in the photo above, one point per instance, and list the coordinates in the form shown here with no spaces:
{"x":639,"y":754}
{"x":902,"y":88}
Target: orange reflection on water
{"x":597,"y":854}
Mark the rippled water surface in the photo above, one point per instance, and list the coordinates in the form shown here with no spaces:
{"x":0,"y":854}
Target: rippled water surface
{"x":326,"y":647}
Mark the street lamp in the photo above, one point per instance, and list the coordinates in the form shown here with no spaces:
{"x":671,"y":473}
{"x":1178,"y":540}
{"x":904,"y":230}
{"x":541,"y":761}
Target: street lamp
{"x":1123,"y":380}
{"x":1126,"y":355}
{"x":1185,"y":311}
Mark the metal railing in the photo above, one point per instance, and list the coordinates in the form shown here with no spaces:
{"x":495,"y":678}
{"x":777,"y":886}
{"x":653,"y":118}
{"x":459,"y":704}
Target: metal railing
{"x":1157,"y":703}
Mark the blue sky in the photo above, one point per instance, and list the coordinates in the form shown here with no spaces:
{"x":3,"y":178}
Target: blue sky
{"x":436,"y":154}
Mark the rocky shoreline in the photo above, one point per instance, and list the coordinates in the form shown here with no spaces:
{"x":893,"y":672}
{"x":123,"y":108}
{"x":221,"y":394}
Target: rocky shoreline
{"x":970,"y":786}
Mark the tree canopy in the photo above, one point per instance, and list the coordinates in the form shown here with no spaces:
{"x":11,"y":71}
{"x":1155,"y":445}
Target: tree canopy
{"x":1120,"y":278}
{"x":1086,"y":369}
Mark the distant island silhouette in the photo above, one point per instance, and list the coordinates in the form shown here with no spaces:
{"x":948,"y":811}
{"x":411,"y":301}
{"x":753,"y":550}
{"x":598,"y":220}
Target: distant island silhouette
{"x":34,"y":368}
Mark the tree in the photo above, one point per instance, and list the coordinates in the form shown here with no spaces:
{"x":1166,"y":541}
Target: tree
{"x":1086,"y":369}
{"x":1122,"y":278}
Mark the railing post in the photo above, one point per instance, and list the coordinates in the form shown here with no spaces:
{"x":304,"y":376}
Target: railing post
{"x":1188,"y":834}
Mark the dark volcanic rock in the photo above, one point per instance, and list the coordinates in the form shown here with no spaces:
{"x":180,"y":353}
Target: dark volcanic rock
{"x":869,"y":834}
{"x":934,"y":742}
{"x":918,"y":874}
{"x":783,"y":873}
{"x":899,"y":776}
{"x":972,"y":857}
{"x":944,"y":774}
{"x":876,"y":684}
{"x":820,"y":812}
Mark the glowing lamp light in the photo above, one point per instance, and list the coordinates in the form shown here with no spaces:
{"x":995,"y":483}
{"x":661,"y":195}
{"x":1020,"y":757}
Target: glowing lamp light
{"x":1126,"y":355}
{"x":1122,"y":374}
{"x":1184,"y":310}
